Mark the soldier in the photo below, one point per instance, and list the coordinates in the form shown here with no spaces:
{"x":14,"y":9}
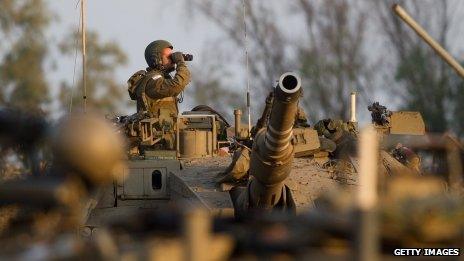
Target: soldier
{"x":300,"y":119}
{"x":154,"y":89}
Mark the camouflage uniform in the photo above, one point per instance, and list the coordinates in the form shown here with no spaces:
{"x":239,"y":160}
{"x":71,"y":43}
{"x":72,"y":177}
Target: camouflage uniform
{"x":343,"y":134}
{"x":154,"y":89}
{"x":300,"y":118}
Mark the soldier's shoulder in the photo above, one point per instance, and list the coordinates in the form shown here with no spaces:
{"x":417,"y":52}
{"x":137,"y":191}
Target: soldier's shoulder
{"x":133,"y":82}
{"x":136,"y":77}
{"x":154,"y":75}
{"x":154,"y":78}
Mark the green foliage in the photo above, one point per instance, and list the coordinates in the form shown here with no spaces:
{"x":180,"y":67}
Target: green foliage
{"x":24,"y":50}
{"x":103,"y":91}
{"x":432,"y":88}
{"x":423,"y":81}
{"x":427,"y":88}
{"x":456,"y":121}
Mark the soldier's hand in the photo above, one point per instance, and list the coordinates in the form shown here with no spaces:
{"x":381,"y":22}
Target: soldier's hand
{"x":177,"y":57}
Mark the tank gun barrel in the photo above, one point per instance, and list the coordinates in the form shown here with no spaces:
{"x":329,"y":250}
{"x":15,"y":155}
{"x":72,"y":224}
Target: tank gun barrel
{"x":400,"y":12}
{"x":272,"y":154}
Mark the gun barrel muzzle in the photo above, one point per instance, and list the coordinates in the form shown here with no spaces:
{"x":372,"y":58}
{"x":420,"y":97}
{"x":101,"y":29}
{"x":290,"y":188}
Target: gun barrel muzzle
{"x":282,"y":118}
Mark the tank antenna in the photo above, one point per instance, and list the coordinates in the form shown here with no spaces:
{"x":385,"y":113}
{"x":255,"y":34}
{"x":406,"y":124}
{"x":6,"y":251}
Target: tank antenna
{"x":84,"y":58}
{"x":353,"y":107}
{"x":247,"y":68}
{"x":76,"y":47}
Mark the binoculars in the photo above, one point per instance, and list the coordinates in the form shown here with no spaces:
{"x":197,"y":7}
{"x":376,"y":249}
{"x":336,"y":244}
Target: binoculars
{"x":187,"y":57}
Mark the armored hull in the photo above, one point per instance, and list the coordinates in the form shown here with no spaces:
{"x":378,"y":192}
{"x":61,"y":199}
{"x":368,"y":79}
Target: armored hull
{"x":191,"y":182}
{"x":276,"y":178}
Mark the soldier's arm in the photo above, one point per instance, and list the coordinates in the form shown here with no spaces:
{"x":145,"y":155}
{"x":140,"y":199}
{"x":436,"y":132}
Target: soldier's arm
{"x":159,"y":88}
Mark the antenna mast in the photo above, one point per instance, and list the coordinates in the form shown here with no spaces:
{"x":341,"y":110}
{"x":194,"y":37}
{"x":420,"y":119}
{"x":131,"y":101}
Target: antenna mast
{"x":247,"y":70}
{"x":84,"y":59}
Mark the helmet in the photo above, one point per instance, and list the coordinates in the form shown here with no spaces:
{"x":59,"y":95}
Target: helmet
{"x":153,"y":52}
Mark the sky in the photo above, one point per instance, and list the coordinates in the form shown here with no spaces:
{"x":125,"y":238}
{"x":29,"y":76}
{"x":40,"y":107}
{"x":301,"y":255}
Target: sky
{"x":133,"y":25}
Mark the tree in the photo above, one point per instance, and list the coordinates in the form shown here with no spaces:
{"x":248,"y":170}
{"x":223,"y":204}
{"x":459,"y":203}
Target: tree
{"x":103,"y":91}
{"x":22,"y":65}
{"x":267,"y":52}
{"x":330,"y":57}
{"x":424,"y":82}
{"x":23,"y":53}
{"x":457,"y":123}
{"x":268,"y":58}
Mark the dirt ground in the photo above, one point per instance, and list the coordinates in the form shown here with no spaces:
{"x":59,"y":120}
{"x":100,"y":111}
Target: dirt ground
{"x":307,"y":181}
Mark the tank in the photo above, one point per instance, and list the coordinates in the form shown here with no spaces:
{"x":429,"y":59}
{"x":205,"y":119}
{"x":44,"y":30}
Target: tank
{"x":286,"y":164}
{"x":164,"y":205}
{"x":285,"y":188}
{"x":193,"y":189}
{"x":155,"y":180}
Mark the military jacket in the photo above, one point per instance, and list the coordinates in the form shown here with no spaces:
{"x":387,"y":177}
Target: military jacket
{"x":157,"y":91}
